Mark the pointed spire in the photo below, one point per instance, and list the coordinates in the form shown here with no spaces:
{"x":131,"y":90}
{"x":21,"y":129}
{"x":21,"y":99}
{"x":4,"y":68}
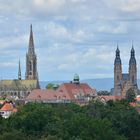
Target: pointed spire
{"x":132,"y":56}
{"x":31,"y":42}
{"x":117,"y":59}
{"x":117,"y":51}
{"x":19,"y":71}
{"x":132,"y":50}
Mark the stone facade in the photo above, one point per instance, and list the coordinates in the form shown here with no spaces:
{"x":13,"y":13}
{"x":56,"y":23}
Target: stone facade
{"x":79,"y":93}
{"x":31,"y":61}
{"x":124,"y":81}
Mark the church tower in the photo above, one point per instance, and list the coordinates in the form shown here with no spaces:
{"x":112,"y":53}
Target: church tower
{"x":31,"y":60}
{"x":117,"y":73}
{"x":133,"y":69}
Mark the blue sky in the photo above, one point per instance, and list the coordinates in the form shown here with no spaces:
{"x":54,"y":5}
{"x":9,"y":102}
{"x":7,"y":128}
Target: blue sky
{"x":71,"y":36}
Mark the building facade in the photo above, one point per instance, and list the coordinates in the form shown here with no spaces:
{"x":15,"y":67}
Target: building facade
{"x":124,"y":81}
{"x":20,"y":88}
{"x":80,"y":93}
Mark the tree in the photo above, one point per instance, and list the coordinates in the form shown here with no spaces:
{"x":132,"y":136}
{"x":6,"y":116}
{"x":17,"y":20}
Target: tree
{"x":15,"y":135}
{"x":130,"y":95}
{"x":115,"y":120}
{"x":52,"y":86}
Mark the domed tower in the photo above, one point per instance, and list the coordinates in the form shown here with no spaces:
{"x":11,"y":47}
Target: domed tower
{"x":117,"y":73}
{"x":133,"y":69}
{"x":76,"y":79}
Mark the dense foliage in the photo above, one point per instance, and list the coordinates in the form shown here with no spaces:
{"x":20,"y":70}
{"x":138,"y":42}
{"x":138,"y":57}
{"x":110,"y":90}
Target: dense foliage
{"x":130,"y":95}
{"x":95,"y":121}
{"x":103,"y":92}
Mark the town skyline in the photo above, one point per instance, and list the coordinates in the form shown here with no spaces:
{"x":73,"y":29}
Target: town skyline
{"x":68,"y":41}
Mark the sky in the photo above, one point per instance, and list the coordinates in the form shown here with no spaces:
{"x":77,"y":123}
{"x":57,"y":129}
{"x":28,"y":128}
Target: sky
{"x":70,"y":36}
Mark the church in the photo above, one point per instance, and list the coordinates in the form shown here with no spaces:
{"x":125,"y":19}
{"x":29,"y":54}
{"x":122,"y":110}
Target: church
{"x":19,"y":88}
{"x":124,"y":81}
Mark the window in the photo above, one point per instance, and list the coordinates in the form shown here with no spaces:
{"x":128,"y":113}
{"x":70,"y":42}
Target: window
{"x":133,"y":79}
{"x":118,"y":77}
{"x":30,"y":66}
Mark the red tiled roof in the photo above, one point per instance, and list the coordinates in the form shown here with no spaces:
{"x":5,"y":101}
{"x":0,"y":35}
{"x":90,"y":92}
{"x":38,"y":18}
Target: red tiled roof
{"x":137,"y":99}
{"x":72,"y":89}
{"x":132,"y":104}
{"x":107,"y":98}
{"x":38,"y":94}
{"x":7,"y":107}
{"x":65,"y":91}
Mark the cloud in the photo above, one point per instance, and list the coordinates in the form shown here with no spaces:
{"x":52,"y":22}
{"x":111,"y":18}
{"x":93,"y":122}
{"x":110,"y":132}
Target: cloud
{"x":71,"y":36}
{"x":125,"y":5}
{"x":113,"y":29}
{"x":49,"y":5}
{"x":13,"y":42}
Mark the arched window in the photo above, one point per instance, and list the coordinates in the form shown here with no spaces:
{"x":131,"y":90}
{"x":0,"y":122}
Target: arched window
{"x":30,"y":66}
{"x":118,"y":78}
{"x":133,"y":79}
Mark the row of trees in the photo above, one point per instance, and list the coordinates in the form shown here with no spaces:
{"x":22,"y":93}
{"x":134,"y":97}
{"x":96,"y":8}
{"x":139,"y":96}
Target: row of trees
{"x":95,"y":121}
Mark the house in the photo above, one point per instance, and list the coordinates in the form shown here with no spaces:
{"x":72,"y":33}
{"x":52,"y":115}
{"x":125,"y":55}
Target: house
{"x":47,"y":96}
{"x":7,"y":110}
{"x":105,"y":99}
{"x":80,"y":93}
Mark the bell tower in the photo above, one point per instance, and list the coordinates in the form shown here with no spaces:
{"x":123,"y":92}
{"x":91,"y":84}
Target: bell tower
{"x":31,"y":60}
{"x":133,"y":69}
{"x":117,"y":72}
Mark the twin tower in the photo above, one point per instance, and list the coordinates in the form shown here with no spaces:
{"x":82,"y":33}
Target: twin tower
{"x":125,"y":81}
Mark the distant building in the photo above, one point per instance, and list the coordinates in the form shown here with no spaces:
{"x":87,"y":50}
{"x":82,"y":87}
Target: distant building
{"x":107,"y":98}
{"x":124,"y":81}
{"x":80,"y":93}
{"x":18,"y":88}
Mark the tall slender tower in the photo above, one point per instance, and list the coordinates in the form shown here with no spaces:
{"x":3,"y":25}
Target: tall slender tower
{"x":31,"y":60}
{"x":19,"y":71}
{"x":117,"y":73}
{"x":133,"y":69}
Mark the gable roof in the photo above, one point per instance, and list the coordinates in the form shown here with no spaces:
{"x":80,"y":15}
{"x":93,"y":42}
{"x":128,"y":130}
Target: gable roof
{"x":7,"y":107}
{"x":73,"y":89}
{"x":66,"y":91}
{"x":47,"y":94}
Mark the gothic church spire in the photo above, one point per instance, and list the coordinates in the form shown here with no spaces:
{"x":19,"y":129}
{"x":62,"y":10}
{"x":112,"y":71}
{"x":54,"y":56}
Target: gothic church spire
{"x":19,"y":71}
{"x":31,"y":60}
{"x":31,"y":42}
{"x":132,"y":56}
{"x":117,"y":59}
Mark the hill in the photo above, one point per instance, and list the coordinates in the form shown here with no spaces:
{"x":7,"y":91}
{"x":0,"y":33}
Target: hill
{"x":98,"y":84}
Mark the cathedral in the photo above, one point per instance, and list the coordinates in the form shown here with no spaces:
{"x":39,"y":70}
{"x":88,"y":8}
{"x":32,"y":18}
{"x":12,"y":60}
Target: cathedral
{"x":20,"y":88}
{"x":124,"y":81}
